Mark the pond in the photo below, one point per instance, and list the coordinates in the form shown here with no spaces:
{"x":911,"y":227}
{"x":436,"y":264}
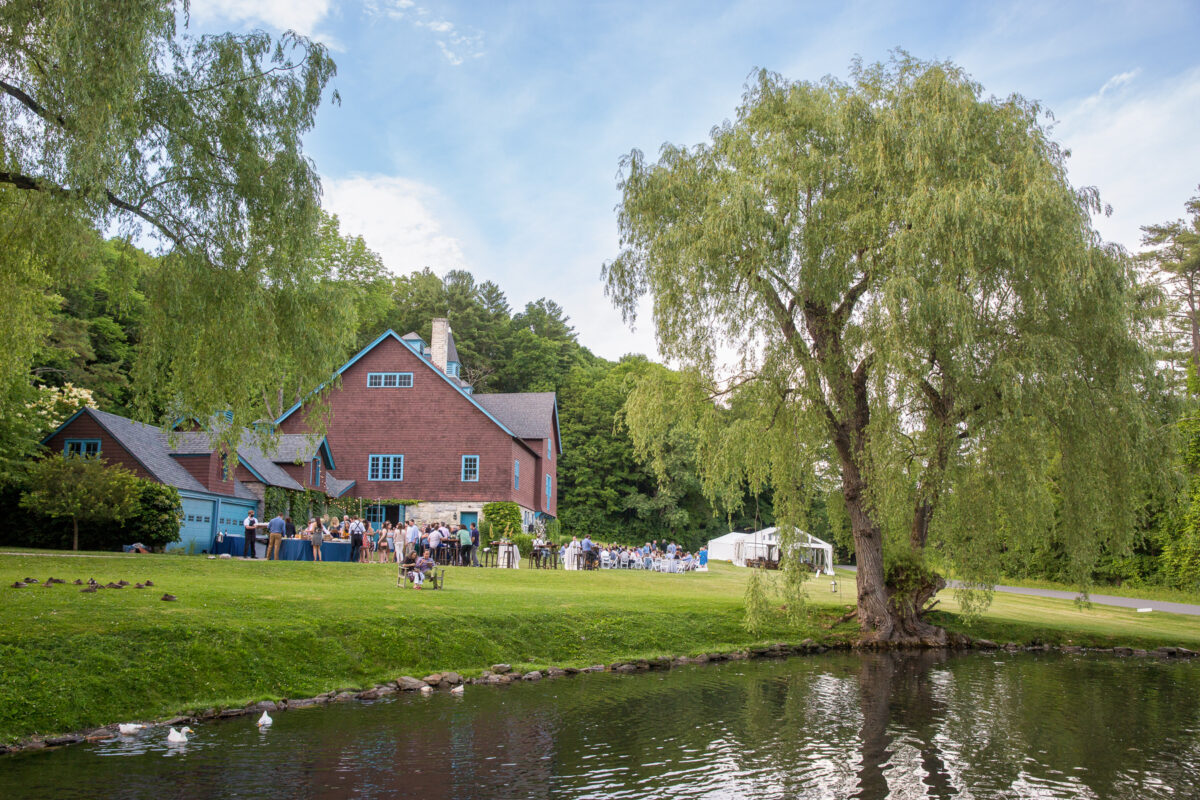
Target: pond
{"x":833,"y":726}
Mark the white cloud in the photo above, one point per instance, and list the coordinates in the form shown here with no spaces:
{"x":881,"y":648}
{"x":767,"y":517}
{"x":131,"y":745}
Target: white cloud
{"x":456,"y":46}
{"x":395,"y":217}
{"x":301,"y":16}
{"x":1137,"y":146}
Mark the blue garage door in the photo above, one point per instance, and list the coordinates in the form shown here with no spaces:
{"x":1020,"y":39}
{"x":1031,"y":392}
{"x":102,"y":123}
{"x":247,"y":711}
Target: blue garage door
{"x":195,"y":533}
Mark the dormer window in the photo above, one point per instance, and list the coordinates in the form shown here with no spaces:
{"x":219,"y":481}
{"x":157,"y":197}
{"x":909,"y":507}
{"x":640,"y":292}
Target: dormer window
{"x":452,"y":368}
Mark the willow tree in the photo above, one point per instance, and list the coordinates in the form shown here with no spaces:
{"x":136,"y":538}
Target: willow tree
{"x":910,"y":297}
{"x":119,"y":120}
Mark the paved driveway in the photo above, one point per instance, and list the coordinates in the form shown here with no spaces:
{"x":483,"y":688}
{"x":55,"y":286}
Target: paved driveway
{"x":1099,"y":599}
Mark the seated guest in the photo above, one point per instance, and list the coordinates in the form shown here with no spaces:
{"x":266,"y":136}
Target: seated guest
{"x":421,"y":566}
{"x":624,"y":558}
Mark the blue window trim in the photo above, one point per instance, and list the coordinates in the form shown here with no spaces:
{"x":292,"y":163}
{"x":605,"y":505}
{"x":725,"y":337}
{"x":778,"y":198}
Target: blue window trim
{"x":83,"y":446}
{"x":316,"y":471}
{"x":463,"y":474}
{"x":375,"y":515}
{"x":389,"y":380}
{"x":379,"y":465}
{"x":516,"y":474}
{"x":549,"y":488}
{"x":549,"y":451}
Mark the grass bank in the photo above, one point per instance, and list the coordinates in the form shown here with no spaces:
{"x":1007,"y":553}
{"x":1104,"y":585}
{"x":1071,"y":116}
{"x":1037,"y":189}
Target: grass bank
{"x":247,"y":631}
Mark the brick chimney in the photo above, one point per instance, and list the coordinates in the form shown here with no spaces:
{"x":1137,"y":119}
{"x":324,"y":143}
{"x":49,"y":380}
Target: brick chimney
{"x":440,"y":344}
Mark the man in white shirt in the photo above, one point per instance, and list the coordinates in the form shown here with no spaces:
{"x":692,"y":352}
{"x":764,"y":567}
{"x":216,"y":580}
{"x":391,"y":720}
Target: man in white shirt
{"x":356,"y":538}
{"x":539,"y":550}
{"x":435,"y":541}
{"x":249,"y":528}
{"x":412,"y":535}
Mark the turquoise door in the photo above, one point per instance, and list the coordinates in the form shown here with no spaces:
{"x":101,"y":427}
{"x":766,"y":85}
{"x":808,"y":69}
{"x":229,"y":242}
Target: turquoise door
{"x":195,"y":532}
{"x":468,"y":517}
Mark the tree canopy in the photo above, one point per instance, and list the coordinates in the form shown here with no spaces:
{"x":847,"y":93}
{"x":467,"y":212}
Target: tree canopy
{"x":124,"y":121}
{"x":910,"y":297}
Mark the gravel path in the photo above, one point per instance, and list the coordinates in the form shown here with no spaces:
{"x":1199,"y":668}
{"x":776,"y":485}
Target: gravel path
{"x":1099,"y":599}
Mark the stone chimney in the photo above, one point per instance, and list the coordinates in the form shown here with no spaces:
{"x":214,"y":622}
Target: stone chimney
{"x":440,"y":344}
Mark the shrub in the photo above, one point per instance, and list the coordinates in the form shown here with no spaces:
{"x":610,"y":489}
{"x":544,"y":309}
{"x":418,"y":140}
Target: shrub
{"x":504,"y":518}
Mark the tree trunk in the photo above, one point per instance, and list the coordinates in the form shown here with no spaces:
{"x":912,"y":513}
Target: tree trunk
{"x":75,"y":525}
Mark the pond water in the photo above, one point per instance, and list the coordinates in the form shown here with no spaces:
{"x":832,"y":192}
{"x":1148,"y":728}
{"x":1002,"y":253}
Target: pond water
{"x":834,"y":726}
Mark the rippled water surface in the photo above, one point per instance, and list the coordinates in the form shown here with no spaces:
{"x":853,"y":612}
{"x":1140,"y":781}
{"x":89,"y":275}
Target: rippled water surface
{"x":835,"y":726}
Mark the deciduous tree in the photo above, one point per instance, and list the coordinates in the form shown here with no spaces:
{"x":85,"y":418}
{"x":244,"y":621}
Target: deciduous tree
{"x":916,"y":302}
{"x":80,"y":488}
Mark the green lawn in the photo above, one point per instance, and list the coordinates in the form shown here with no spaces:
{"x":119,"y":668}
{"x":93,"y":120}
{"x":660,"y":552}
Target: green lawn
{"x":245,"y":631}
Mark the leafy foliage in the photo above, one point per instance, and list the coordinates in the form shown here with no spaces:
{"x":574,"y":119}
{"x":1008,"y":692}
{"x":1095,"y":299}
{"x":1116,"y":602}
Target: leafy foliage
{"x":918,"y":305}
{"x":503,"y":518}
{"x":80,"y":489}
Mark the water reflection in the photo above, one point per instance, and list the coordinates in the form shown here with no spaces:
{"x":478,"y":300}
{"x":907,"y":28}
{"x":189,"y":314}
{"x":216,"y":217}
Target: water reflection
{"x":928,"y":725}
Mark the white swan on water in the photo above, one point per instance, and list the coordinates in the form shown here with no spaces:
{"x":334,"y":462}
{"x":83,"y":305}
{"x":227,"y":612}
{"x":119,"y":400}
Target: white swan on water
{"x":129,"y":728}
{"x":180,"y":736}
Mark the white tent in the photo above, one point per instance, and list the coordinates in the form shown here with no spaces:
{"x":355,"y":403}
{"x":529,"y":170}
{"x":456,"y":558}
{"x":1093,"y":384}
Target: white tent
{"x":721,"y":548}
{"x":764,"y":544}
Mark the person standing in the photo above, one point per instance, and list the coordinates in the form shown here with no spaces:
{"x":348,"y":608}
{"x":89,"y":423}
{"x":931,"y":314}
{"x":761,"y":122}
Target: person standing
{"x":464,"y":546}
{"x":249,"y":527}
{"x":435,"y":541}
{"x":474,"y":545}
{"x":414,"y":538}
{"x":317,"y":536}
{"x":275,"y":529}
{"x":588,"y":553}
{"x":355,"y":528}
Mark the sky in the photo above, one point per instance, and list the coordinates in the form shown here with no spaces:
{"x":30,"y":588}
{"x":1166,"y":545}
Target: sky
{"x":487,"y":136}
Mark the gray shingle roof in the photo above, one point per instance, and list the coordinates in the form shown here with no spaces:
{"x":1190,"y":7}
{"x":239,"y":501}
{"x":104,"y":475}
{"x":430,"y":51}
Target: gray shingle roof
{"x":258,"y":461}
{"x":335,"y":487}
{"x":148,"y":445}
{"x":153,"y":447}
{"x":295,"y":448}
{"x":451,"y":350}
{"x":530,"y":415}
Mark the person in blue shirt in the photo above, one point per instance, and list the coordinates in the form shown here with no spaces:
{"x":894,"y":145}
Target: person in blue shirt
{"x":671,"y":548}
{"x":589,"y":555}
{"x":275,"y":530}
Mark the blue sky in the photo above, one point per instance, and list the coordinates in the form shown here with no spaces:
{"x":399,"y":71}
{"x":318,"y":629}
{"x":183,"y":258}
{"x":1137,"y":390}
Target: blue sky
{"x":487,"y":135}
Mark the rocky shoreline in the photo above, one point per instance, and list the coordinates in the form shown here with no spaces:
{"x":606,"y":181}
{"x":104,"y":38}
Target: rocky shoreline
{"x":504,"y":674}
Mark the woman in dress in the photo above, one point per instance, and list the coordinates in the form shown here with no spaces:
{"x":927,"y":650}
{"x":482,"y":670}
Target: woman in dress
{"x":383,"y":542}
{"x":316,"y":535}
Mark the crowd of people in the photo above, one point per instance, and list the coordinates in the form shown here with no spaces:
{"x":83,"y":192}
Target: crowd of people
{"x":390,"y":543}
{"x":665,"y":557}
{"x":418,"y":548}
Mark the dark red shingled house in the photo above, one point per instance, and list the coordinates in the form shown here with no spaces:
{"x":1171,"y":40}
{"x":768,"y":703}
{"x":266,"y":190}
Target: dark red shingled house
{"x":404,"y":425}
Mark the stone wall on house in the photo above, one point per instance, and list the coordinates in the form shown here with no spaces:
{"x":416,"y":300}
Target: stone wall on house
{"x":448,"y":512}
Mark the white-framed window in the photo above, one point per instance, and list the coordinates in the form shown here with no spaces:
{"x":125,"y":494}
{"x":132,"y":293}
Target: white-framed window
{"x":389,"y":380}
{"x":546,"y":499}
{"x":81,"y":447}
{"x":386,"y":468}
{"x":516,"y":474}
{"x":470,"y":469}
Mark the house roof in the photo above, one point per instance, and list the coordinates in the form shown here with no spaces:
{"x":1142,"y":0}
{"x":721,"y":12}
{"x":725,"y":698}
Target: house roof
{"x":148,"y":445}
{"x":531,"y":415}
{"x":336,"y":487}
{"x":262,"y":465}
{"x":296,"y":448}
{"x":457,"y":384}
{"x":451,"y":350}
{"x":154,"y":448}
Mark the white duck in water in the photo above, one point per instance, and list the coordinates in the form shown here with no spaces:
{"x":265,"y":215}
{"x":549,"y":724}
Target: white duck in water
{"x":129,"y":728}
{"x":180,"y":736}
{"x":265,"y":720}
{"x":457,"y":690}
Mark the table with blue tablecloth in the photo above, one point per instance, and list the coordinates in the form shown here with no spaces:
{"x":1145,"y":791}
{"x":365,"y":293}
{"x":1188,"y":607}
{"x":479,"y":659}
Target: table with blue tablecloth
{"x":292,"y":550}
